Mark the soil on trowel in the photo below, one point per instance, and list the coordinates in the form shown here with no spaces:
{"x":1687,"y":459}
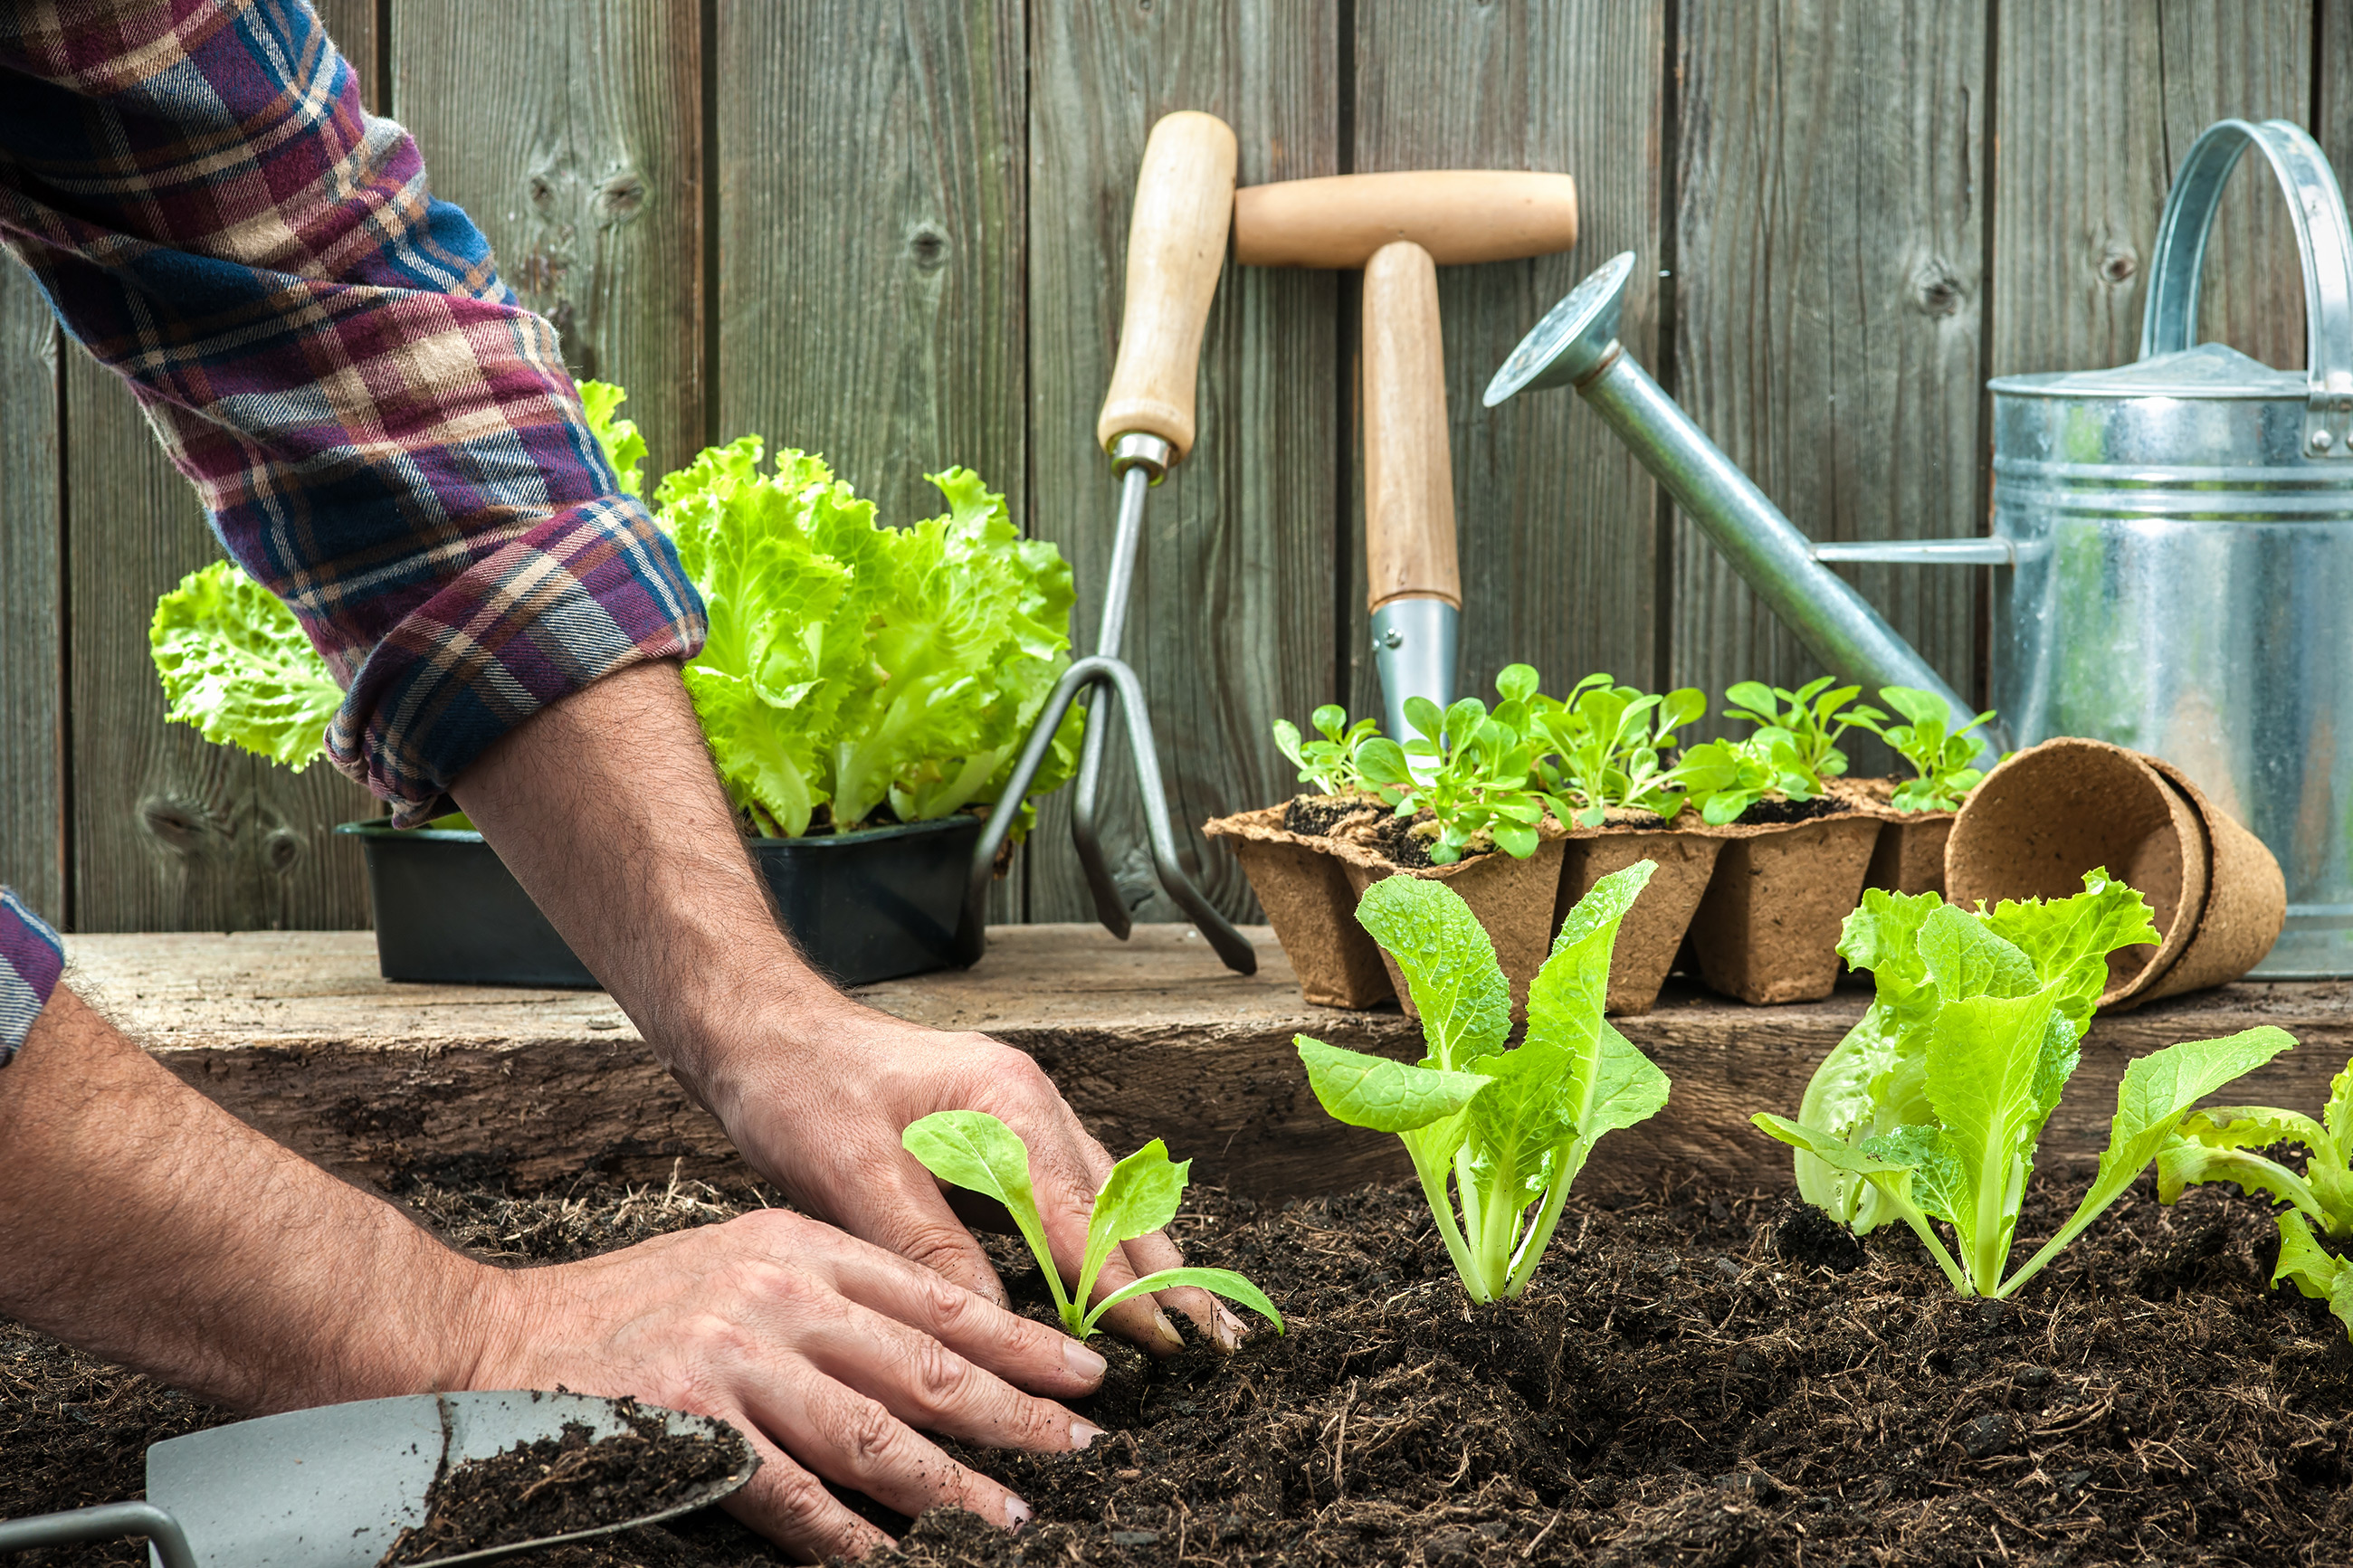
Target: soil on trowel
{"x":1706,"y":1380}
{"x":560,"y":1485}
{"x":1771,"y":812}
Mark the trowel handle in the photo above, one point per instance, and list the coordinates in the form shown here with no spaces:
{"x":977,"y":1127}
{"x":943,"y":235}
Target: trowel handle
{"x":1456,"y":215}
{"x":1408,"y":470}
{"x":1175,"y":246}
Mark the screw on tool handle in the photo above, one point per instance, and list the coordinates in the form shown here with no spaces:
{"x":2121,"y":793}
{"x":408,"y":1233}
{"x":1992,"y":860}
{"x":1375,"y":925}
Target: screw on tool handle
{"x":1408,"y":471}
{"x":1456,"y":215}
{"x":1175,"y":246}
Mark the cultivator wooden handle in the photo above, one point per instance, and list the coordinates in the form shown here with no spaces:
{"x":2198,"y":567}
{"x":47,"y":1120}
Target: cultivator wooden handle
{"x":1175,"y":247}
{"x":1408,"y":473}
{"x":1456,"y":215}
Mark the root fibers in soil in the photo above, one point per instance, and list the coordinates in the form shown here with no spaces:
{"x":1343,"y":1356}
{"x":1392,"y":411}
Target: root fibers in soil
{"x":1704,"y":1381}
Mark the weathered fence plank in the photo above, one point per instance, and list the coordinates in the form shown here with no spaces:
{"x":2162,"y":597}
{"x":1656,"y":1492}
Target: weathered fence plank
{"x":352,"y":23}
{"x":584,"y":165}
{"x":1232,"y":624}
{"x":172,"y":833}
{"x":1828,"y":308}
{"x":33,"y":779}
{"x":1557,"y":523}
{"x":871,"y":245}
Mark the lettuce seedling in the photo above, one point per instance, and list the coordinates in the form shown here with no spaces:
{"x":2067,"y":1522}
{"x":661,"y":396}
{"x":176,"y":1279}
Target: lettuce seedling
{"x":1871,"y":1081}
{"x":1999,"y":1051}
{"x":1810,"y":716}
{"x":1724,"y":778}
{"x":1478,"y":773}
{"x":234,"y":663}
{"x":1941,"y":755}
{"x":974,"y":1150}
{"x":1512,"y":1127}
{"x":1330,"y":764}
{"x":1606,"y":742}
{"x":2224,"y":1145}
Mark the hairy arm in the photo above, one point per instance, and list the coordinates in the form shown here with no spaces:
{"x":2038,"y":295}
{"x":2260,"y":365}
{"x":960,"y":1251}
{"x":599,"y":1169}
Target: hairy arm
{"x":605,"y":809}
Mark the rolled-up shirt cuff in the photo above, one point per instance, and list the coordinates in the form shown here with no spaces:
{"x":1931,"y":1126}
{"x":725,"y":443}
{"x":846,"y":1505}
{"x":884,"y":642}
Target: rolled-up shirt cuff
{"x":31,"y":959}
{"x":591,"y":590}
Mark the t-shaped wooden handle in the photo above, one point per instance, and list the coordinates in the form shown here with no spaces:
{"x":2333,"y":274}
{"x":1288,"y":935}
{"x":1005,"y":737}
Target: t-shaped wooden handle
{"x":1408,"y":471}
{"x":1175,"y":246}
{"x":1456,"y":215}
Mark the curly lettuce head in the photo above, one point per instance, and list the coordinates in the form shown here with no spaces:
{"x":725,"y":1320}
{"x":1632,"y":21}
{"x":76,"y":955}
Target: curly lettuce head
{"x":624,"y":448}
{"x":235,"y":665}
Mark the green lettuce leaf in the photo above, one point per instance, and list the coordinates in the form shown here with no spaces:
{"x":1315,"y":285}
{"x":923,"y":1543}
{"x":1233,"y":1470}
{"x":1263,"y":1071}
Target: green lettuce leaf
{"x":2315,"y":1273}
{"x":1362,"y":1091}
{"x":624,"y":448}
{"x":234,"y":663}
{"x":1447,"y":963}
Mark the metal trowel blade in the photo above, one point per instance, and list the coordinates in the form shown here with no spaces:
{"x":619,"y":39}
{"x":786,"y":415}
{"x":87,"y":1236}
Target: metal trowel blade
{"x":332,"y":1487}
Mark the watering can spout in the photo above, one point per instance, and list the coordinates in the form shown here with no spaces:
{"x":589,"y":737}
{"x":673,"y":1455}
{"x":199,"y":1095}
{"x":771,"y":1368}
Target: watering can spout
{"x":1576,"y":344}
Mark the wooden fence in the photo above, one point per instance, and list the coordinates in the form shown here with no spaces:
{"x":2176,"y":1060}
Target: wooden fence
{"x":892,"y":233}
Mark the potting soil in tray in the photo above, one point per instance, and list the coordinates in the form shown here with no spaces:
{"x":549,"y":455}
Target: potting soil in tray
{"x":1693,"y":1380}
{"x":557,"y":1486}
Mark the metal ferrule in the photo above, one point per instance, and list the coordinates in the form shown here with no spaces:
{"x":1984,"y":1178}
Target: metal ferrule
{"x":1138,"y":451}
{"x":1415,"y":644}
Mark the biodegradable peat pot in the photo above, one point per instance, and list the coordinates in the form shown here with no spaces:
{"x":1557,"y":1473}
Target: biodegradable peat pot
{"x":1512,"y":901}
{"x":1652,"y":932}
{"x":872,"y":905}
{"x":1313,"y":906}
{"x":2051,"y":813}
{"x":1767,"y":930}
{"x":1910,"y":855}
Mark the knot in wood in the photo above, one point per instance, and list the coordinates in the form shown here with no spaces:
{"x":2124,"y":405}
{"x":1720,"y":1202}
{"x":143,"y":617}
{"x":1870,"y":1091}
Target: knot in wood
{"x":179,"y":825}
{"x":620,"y":197}
{"x":2119,"y":264}
{"x":929,"y":247}
{"x":1936,"y":290}
{"x":281,"y":849}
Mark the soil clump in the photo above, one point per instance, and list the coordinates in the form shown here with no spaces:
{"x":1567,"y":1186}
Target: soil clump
{"x":1697,"y":1379}
{"x":1769,"y":812}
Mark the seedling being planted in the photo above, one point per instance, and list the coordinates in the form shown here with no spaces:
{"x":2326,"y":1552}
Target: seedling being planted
{"x":1512,"y":1127}
{"x":973,"y":1149}
{"x":2225,"y":1144}
{"x":1999,"y":1047}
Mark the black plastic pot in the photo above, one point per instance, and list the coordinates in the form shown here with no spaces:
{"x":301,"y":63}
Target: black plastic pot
{"x":866,"y":906}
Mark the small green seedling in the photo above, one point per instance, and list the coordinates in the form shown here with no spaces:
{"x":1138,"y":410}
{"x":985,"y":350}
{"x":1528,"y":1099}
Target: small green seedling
{"x":2224,"y":1145}
{"x":2000,"y":1048}
{"x":1512,"y":1127}
{"x":1811,"y":717}
{"x":1724,"y":778}
{"x":1330,"y":764}
{"x":973,"y":1149}
{"x":1476,"y":773}
{"x":1606,"y":742}
{"x":1941,"y":755}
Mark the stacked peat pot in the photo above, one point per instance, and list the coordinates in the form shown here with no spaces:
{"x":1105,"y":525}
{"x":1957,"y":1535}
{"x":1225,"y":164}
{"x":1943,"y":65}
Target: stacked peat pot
{"x":1759,"y":892}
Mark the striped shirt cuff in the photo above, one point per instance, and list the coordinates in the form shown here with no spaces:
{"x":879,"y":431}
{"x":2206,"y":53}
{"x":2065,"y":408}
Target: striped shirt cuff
{"x":31,"y":959}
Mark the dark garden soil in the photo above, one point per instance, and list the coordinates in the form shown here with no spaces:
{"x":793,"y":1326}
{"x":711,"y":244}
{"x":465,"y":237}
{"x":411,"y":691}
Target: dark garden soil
{"x":1697,"y":1380}
{"x":557,"y":1486}
{"x":1771,"y":811}
{"x":1317,"y":815}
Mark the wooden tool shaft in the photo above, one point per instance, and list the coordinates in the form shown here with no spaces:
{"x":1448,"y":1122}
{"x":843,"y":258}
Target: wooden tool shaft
{"x":1456,"y":215}
{"x":1408,"y":471}
{"x":1175,"y":246}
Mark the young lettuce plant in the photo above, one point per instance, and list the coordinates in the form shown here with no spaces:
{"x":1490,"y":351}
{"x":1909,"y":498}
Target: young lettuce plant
{"x":1938,"y":753}
{"x":1871,"y":1081}
{"x":1477,"y":773}
{"x":1999,"y":1051}
{"x":1724,"y":778}
{"x":1607,"y":740}
{"x":2225,"y":1144}
{"x":1512,"y":1127}
{"x":974,"y":1150}
{"x":1810,"y":716}
{"x":1330,"y":764}
{"x":234,"y":663}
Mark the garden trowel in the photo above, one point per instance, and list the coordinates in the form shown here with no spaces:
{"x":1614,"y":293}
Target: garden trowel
{"x":334,"y":1488}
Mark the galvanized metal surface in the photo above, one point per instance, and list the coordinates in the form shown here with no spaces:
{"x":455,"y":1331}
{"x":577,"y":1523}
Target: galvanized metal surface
{"x":1576,"y":344}
{"x":2184,"y":536}
{"x":1416,"y":645}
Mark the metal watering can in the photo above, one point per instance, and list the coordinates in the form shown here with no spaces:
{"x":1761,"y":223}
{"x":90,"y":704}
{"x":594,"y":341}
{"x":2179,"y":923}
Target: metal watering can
{"x":2178,"y":534}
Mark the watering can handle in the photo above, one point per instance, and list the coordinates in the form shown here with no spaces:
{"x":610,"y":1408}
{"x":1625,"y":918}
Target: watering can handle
{"x":2317,"y":206}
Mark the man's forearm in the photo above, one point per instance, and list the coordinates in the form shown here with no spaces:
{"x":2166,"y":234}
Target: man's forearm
{"x":143,"y":1223}
{"x":606,"y":809}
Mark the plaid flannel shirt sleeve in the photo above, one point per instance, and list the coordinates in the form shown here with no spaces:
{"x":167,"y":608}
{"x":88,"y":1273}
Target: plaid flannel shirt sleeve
{"x":31,"y":959}
{"x":380,"y":434}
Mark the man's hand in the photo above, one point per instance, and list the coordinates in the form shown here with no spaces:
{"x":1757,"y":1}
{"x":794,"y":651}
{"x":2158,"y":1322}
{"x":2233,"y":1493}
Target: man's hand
{"x":813,"y":1344}
{"x":144,"y":1223}
{"x":605,"y":809}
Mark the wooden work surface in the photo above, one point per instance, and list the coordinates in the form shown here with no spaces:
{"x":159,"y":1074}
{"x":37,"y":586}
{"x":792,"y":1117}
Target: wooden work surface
{"x":297,"y":1034}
